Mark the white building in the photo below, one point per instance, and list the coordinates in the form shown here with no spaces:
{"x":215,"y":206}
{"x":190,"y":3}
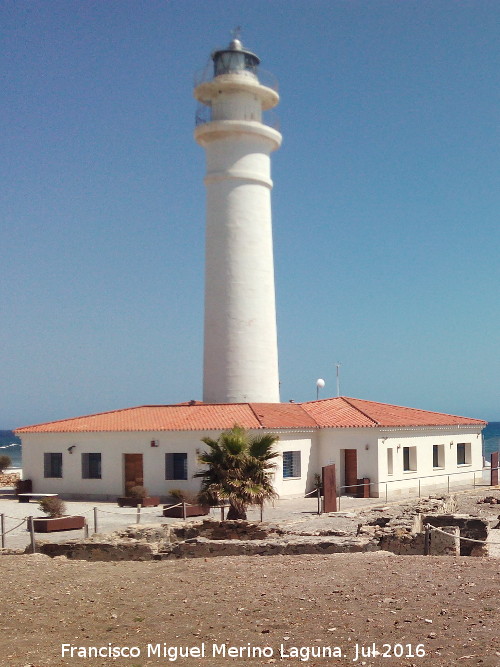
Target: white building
{"x":94,"y":456}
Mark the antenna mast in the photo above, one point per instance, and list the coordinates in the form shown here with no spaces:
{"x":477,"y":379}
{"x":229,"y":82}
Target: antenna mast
{"x":337,"y":366}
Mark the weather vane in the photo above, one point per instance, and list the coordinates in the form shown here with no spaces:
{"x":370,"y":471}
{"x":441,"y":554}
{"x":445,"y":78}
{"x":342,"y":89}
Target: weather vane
{"x":236,"y":32}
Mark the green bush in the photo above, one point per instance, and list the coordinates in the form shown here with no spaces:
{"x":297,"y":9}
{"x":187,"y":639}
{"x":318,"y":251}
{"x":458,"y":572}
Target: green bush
{"x":52,"y":506}
{"x":5,"y":462}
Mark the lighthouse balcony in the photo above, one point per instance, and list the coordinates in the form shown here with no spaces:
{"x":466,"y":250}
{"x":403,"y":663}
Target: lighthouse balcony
{"x":205,"y":114}
{"x":260,"y":76}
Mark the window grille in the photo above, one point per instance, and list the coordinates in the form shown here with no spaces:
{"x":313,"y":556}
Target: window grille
{"x":291,"y":464}
{"x":176,"y":465}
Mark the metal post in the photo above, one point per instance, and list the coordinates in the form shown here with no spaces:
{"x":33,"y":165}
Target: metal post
{"x":2,"y":524}
{"x":86,"y":529}
{"x":222,"y":513}
{"x":427,"y":540}
{"x":184,"y":513}
{"x":32,"y":534}
{"x":318,"y":491}
{"x":261,"y":512}
{"x":448,"y":483}
{"x":386,"y":487}
{"x":138,"y":513}
{"x":419,"y":487}
{"x":95,"y":519}
{"x":474,"y":479}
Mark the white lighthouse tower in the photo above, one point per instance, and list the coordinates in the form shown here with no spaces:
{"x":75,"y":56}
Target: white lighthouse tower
{"x":241,"y":350}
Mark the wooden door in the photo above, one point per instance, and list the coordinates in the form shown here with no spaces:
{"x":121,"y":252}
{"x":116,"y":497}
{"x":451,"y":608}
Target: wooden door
{"x":134,"y":474}
{"x":329,"y":489}
{"x":350,"y":470}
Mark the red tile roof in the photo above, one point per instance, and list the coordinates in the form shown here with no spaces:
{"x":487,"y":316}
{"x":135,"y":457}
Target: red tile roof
{"x":354,"y":412}
{"x":196,"y":416}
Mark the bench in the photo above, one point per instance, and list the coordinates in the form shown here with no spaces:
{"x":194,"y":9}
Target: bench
{"x":26,"y":497}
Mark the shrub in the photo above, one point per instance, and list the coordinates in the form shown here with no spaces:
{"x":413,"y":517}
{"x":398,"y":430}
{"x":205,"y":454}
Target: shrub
{"x":5,"y":462}
{"x":52,"y":506}
{"x":184,"y":496}
{"x":138,"y":492}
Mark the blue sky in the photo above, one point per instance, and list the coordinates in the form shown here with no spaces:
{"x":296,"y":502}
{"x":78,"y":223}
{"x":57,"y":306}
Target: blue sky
{"x":385,"y":207}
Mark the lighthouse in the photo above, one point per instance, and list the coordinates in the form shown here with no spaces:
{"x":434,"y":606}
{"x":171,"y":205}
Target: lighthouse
{"x":240,"y":337}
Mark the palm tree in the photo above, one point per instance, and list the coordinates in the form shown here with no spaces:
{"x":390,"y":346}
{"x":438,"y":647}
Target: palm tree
{"x":239,"y":470}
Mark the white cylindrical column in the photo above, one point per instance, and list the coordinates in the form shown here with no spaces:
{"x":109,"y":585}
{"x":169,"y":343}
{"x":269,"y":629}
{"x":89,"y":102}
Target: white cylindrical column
{"x":240,"y":345}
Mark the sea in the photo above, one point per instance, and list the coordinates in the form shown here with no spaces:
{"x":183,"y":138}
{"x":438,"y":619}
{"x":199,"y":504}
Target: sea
{"x":11,"y":445}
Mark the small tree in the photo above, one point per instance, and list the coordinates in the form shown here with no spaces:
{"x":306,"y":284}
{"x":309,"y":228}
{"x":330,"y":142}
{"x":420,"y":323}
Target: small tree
{"x":5,"y":462}
{"x":239,"y":470}
{"x":52,"y":506}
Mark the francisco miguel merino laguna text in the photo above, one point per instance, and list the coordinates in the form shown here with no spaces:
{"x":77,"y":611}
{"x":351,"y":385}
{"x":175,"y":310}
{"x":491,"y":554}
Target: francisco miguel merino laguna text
{"x":203,"y":650}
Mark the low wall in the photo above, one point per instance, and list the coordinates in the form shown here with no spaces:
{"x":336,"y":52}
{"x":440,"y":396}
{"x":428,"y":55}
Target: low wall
{"x":398,"y":530}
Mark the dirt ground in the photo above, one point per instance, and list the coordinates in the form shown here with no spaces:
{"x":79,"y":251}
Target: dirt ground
{"x":340,"y":609}
{"x":405,"y":605}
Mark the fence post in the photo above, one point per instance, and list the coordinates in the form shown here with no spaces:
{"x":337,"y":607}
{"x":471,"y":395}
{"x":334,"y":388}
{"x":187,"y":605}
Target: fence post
{"x":474,"y":483}
{"x":318,"y":493}
{"x":2,"y":517}
{"x":95,"y":519}
{"x":419,"y":487}
{"x":494,"y":469}
{"x":138,"y":520}
{"x":386,"y":486}
{"x":32,"y":534}
{"x":86,"y":529}
{"x":448,"y":483}
{"x":222,"y":513}
{"x":184,"y":513}
{"x":427,"y":540}
{"x":261,"y":512}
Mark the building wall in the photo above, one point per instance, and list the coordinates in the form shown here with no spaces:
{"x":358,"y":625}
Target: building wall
{"x":334,"y":442}
{"x":317,"y":449}
{"x":421,"y":459}
{"x":372,"y":445}
{"x":113,"y":446}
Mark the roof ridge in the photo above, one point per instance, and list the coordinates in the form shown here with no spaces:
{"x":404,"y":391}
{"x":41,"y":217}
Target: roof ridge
{"x":257,"y":417}
{"x":365,"y":414}
{"x":406,"y":407}
{"x":92,"y":414}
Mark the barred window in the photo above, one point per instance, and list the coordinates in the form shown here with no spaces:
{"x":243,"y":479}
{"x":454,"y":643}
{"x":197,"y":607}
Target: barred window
{"x":291,"y":464}
{"x":91,"y":466}
{"x":176,"y":465}
{"x":52,"y":464}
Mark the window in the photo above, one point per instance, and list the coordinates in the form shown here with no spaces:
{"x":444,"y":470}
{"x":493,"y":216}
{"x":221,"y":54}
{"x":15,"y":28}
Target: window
{"x":176,"y":466}
{"x":52,"y":464}
{"x":409,"y":459}
{"x":438,"y":456}
{"x":291,"y":464}
{"x":91,"y":466}
{"x":390,"y":465}
{"x":463,"y":454}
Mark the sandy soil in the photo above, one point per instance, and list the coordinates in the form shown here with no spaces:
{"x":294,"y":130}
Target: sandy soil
{"x":448,"y":605}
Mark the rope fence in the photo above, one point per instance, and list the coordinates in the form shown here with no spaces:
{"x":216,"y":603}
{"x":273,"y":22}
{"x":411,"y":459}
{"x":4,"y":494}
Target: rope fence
{"x":29,"y":525}
{"x":459,"y":537}
{"x":410,"y":480}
